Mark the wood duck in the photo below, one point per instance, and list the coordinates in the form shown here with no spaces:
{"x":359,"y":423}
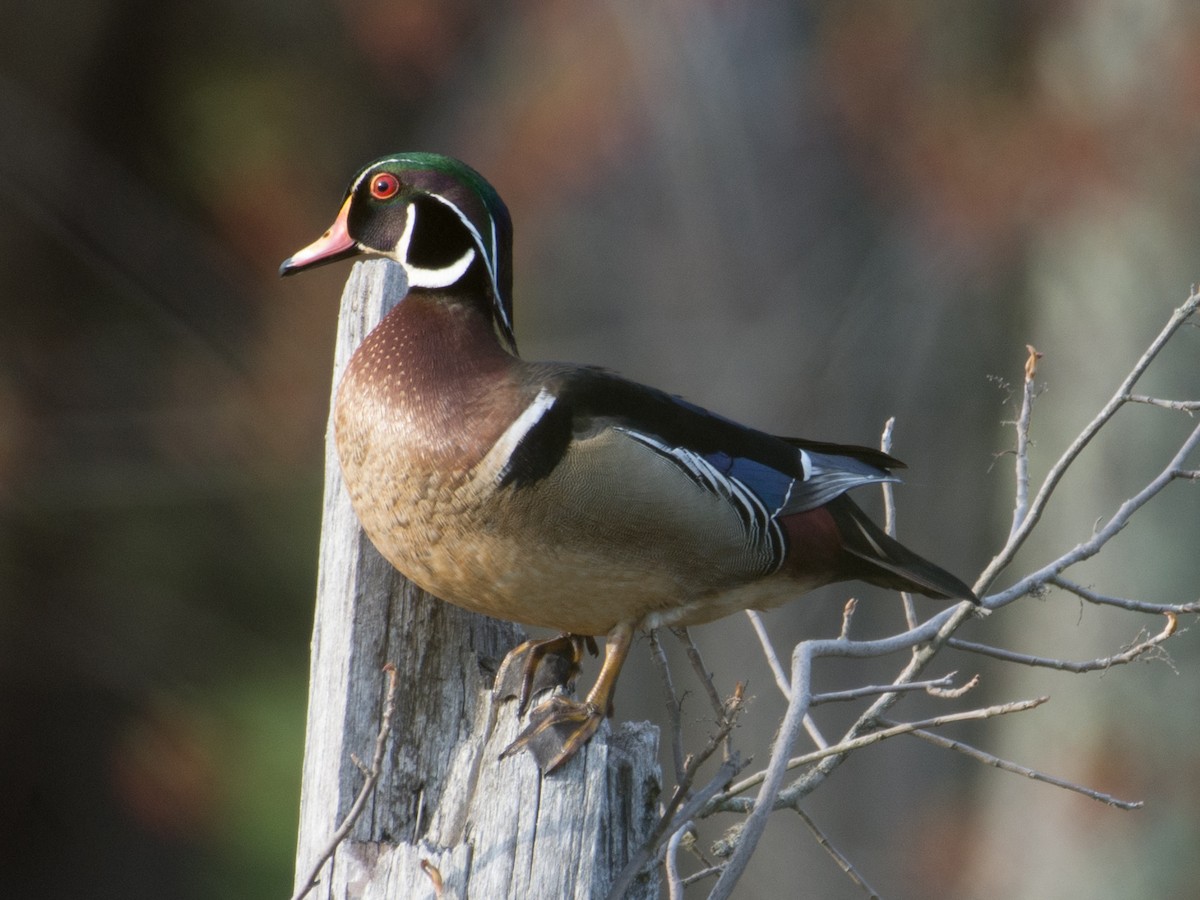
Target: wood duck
{"x":561,"y":495}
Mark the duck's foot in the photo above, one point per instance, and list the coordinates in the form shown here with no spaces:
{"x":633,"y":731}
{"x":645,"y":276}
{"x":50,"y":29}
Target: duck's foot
{"x":557,"y":730}
{"x":533,"y":667}
{"x":559,"y":727}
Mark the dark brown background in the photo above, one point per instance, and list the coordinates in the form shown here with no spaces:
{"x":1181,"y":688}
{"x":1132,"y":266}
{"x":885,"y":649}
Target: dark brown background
{"x":810,"y":216}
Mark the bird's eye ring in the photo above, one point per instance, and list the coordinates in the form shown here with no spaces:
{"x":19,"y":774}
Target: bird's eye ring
{"x":384,"y":186}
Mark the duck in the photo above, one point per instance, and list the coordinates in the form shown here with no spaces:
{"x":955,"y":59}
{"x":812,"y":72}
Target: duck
{"x":565,"y":496}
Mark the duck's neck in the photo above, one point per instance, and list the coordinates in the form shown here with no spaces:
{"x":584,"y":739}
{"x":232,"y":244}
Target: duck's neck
{"x":433,"y":380}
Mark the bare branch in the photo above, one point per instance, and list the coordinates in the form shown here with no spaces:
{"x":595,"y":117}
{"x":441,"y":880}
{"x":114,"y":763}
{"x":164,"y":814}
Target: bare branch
{"x":670,"y":700}
{"x":675,"y":816}
{"x":1135,"y":605}
{"x":435,"y":877}
{"x":1054,"y":476}
{"x":701,"y":670}
{"x":1005,"y":765}
{"x":781,"y":681}
{"x":768,"y":649}
{"x":872,"y":690}
{"x":1021,"y":501}
{"x":1188,"y":406}
{"x":889,"y":527}
{"x":874,"y":737}
{"x":1103,"y":535}
{"x":954,"y":693}
{"x":848,"y":617}
{"x":360,"y":802}
{"x":710,"y":872}
{"x":674,"y":883}
{"x":844,"y":864}
{"x":1127,"y":655}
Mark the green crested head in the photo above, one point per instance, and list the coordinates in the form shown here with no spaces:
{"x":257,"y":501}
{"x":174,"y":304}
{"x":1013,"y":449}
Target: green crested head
{"x":435,"y":216}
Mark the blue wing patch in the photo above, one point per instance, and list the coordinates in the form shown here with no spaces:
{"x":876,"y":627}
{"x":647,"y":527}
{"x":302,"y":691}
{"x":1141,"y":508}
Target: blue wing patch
{"x":771,"y":486}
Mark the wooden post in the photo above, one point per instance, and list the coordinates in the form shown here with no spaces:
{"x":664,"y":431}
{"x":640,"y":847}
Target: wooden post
{"x":491,"y":828}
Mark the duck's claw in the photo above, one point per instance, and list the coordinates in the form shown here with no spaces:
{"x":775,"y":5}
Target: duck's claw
{"x":533,"y":667}
{"x":557,"y":730}
{"x":559,"y":727}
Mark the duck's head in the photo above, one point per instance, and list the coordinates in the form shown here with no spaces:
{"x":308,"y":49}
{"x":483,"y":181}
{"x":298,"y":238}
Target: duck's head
{"x":435,"y":216}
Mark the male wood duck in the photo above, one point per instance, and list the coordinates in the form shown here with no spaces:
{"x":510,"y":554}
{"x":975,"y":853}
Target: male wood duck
{"x":561,"y":495}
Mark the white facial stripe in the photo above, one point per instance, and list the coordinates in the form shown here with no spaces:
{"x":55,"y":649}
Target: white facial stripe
{"x":490,"y":257}
{"x":428,"y":278}
{"x":440,"y":278}
{"x":410,"y":222}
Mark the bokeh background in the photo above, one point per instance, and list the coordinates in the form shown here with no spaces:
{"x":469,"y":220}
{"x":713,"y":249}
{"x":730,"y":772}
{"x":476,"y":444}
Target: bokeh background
{"x":808,"y":215}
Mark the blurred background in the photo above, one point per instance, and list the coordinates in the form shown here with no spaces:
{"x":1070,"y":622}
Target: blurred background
{"x":808,"y":215}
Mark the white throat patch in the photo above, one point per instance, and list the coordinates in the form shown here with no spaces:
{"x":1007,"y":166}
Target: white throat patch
{"x":429,"y":278}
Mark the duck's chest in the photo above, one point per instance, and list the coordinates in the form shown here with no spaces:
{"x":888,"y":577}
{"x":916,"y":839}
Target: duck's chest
{"x":422,"y":403}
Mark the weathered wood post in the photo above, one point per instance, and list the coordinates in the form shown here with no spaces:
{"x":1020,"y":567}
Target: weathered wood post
{"x":491,"y":828}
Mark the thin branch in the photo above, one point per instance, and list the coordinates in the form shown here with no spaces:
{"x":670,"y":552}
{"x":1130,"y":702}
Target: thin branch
{"x":889,"y":522}
{"x":1003,"y":764}
{"x":838,"y":857}
{"x":672,"y":702}
{"x":1054,"y":476}
{"x":768,"y":649}
{"x":889,"y":499}
{"x":1188,"y":406}
{"x":672,"y":819}
{"x":701,"y":670}
{"x":710,"y":872}
{"x":1021,"y":500}
{"x":1127,"y":655}
{"x":927,"y":638}
{"x":781,"y":681}
{"x":954,"y":693}
{"x":848,"y":618}
{"x":1136,"y":605}
{"x":1101,"y":536}
{"x":360,"y":802}
{"x":674,"y":883}
{"x":945,"y":681}
{"x":874,"y":737}
{"x":435,"y":878}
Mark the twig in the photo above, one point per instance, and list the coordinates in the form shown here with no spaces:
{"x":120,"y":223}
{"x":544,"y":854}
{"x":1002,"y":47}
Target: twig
{"x":693,"y":655}
{"x":768,"y":649}
{"x":1101,"y":536}
{"x":1181,"y":405}
{"x":926,"y":639}
{"x":709,"y":872}
{"x":871,"y":690}
{"x":671,"y":821}
{"x":889,"y":522}
{"x":1005,"y":765}
{"x":1021,"y":500}
{"x":889,"y":499}
{"x":360,"y":802}
{"x":1135,"y":605}
{"x":954,"y":693}
{"x":874,"y":737}
{"x":674,"y":883}
{"x":1125,"y":656}
{"x":672,"y":702}
{"x":1054,"y":476}
{"x":781,"y":681}
{"x":435,"y":877}
{"x":843,"y":863}
{"x":848,"y":618}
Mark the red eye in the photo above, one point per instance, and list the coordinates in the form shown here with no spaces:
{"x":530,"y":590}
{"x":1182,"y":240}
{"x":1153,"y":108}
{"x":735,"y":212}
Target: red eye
{"x":384,"y":186}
